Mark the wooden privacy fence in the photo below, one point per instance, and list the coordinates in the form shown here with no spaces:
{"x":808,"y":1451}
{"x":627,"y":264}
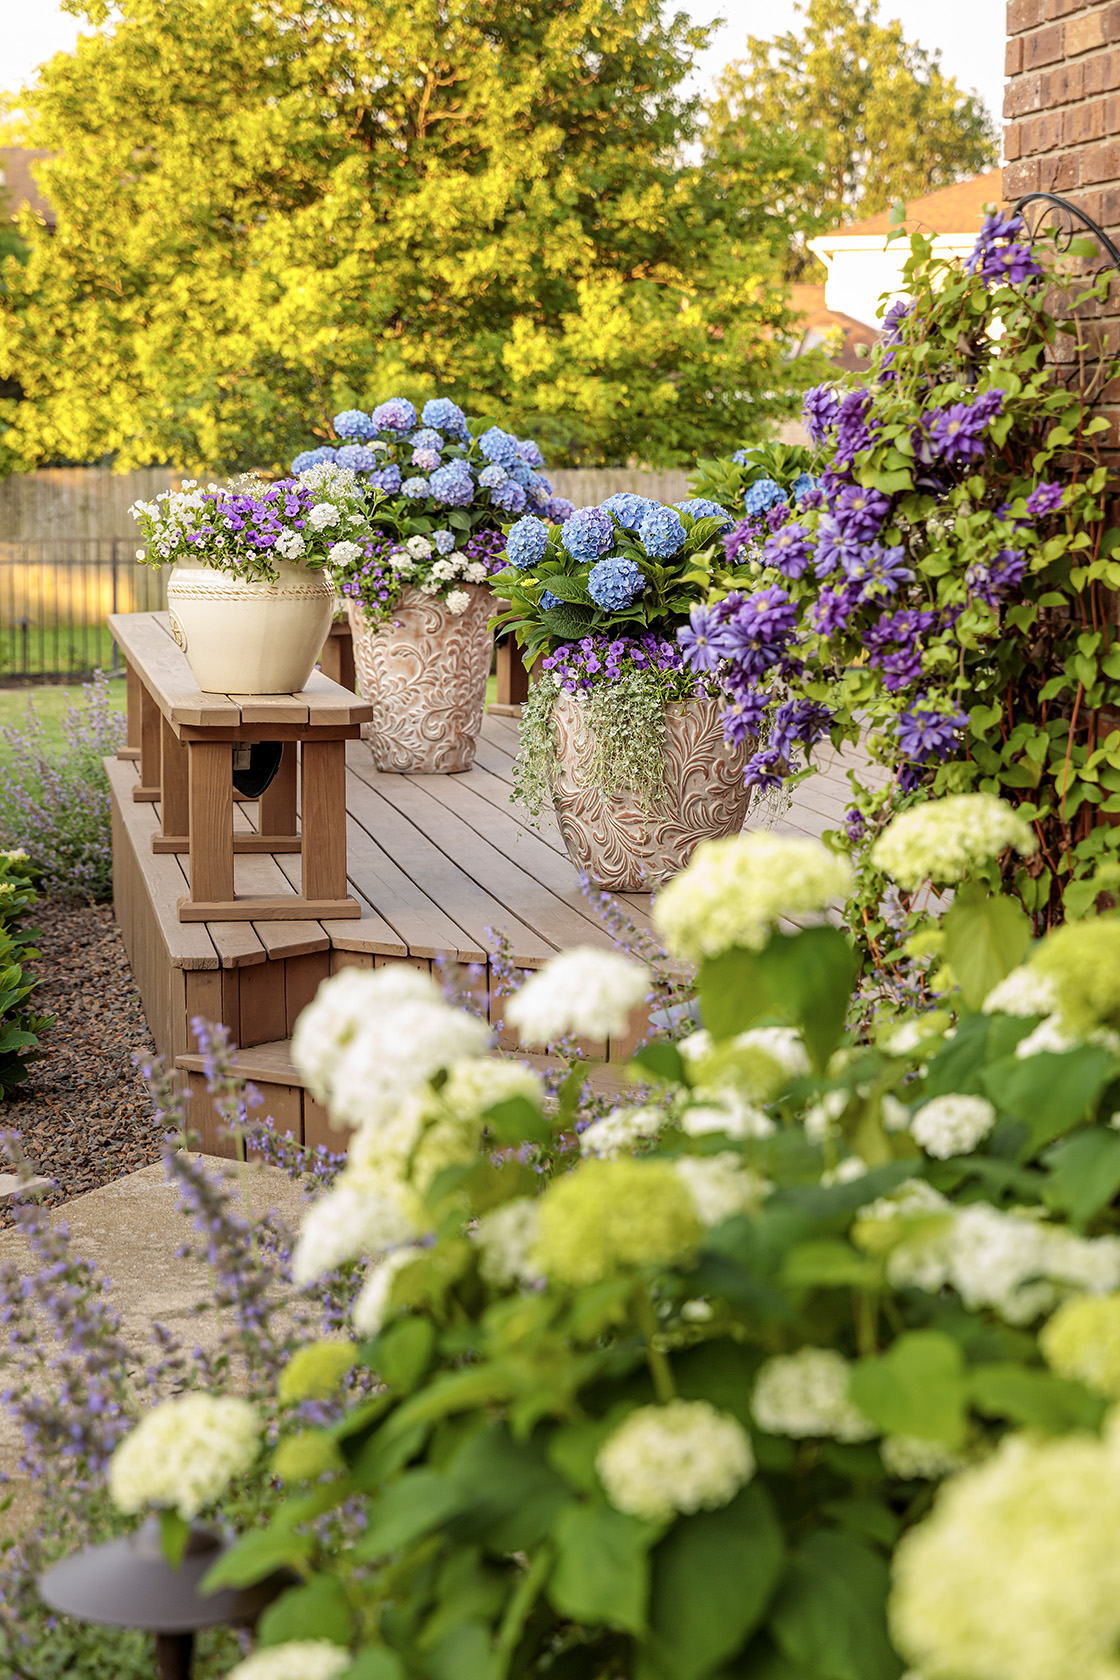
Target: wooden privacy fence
{"x":70,"y":504}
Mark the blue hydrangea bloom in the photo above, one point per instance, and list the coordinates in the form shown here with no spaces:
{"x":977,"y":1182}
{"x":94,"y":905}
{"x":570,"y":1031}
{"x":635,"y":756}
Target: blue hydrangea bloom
{"x":740,"y":457}
{"x":761,"y":495}
{"x":700,"y":507}
{"x":442,"y":541}
{"x":802,"y":484}
{"x":614,"y":583}
{"x":313,"y":458}
{"x":509,"y":497}
{"x":526,"y":543}
{"x":396,"y":415}
{"x":426,"y":459}
{"x":559,"y":509}
{"x":354,"y":425}
{"x":490,"y":477}
{"x":529,"y":453}
{"x":426,"y":438}
{"x":548,"y":599}
{"x":662,"y":532}
{"x":357,"y":457}
{"x":416,"y":489}
{"x":388,"y":479}
{"x":629,"y":509}
{"x":588,"y":534}
{"x":523,"y":475}
{"x":445,"y":416}
{"x":453,"y":485}
{"x":499,"y":446}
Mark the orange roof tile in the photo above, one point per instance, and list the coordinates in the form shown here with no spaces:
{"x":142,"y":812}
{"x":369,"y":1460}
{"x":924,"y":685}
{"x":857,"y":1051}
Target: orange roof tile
{"x":955,"y":209}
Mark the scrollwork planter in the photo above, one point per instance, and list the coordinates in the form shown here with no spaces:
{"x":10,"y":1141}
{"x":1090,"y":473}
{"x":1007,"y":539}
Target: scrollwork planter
{"x":424,"y":672}
{"x":250,"y":637}
{"x":630,"y":844}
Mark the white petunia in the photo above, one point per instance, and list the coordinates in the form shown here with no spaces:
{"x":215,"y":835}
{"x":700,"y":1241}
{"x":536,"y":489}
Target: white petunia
{"x":458,"y":600}
{"x":344,"y":553}
{"x":681,"y":1457}
{"x":475,"y":572}
{"x":184,"y":1454}
{"x":323,"y":515}
{"x":584,"y":991}
{"x":419,"y":547}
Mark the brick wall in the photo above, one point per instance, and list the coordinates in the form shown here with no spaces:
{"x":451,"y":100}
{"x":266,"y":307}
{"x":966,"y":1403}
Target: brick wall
{"x":1063,"y":122}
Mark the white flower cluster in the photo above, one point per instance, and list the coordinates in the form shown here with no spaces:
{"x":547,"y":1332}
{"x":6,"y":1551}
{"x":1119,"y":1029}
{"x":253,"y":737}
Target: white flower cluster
{"x":290,"y":546}
{"x":479,"y":1083}
{"x":507,"y":1237}
{"x":735,"y":892}
{"x":183,"y":1454}
{"x":943,"y":840}
{"x":720,"y":1186}
{"x":807,"y":1393}
{"x":682,"y":1457}
{"x":1015,"y":1575}
{"x":364,"y":1213}
{"x":725,"y":1111}
{"x":952,"y":1125}
{"x":323,"y":515}
{"x":1025,"y":991}
{"x":341,"y":1006}
{"x":371,"y":1308}
{"x":341,"y":553}
{"x":583,"y":991}
{"x":622,"y":1132}
{"x":913,"y":1459}
{"x":298,"y":1659}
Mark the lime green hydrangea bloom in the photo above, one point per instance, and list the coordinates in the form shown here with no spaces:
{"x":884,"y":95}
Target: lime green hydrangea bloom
{"x":1083,"y":961}
{"x":315,"y":1371}
{"x":306,"y":1456}
{"x":605,"y":1215}
{"x":946,"y":839}
{"x":1082,"y":1340}
{"x":735,"y":892}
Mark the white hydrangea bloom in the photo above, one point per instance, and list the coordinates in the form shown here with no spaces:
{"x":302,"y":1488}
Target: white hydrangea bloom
{"x":913,"y":1199}
{"x":184,"y":1454}
{"x":458,"y":600}
{"x":343,"y":553}
{"x":807,"y":1393}
{"x":720,"y":1186}
{"x":913,"y":1459}
{"x":621,"y":1131}
{"x":323,"y":515}
{"x":952,"y":1125}
{"x":507,"y":1237}
{"x":584,"y":991}
{"x":820,"y":1117}
{"x":371,"y":1306}
{"x":945,"y":839}
{"x":341,"y":1006}
{"x":16,"y":854}
{"x":475,"y":572}
{"x":395,"y":1051}
{"x":784,"y":1044}
{"x":1025,"y":991}
{"x":299,"y":1659}
{"x":735,"y":891}
{"x":1091,"y":1264}
{"x":1048,"y":1038}
{"x":906,"y":1038}
{"x":846,"y":1172}
{"x":697,"y":1045}
{"x":419,"y":547}
{"x":360,"y":1215}
{"x":682,"y":1457}
{"x":481,"y":1082}
{"x":894,"y":1114}
{"x":723,"y":1110}
{"x":1015,"y":1575}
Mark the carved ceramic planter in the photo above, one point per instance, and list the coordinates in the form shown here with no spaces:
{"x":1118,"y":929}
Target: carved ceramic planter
{"x":424,"y":671}
{"x":627,"y":843}
{"x":245,"y":637}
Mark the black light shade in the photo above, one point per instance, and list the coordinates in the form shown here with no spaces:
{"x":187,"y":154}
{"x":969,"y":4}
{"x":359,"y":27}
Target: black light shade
{"x":254,"y":766}
{"x":129,"y":1583}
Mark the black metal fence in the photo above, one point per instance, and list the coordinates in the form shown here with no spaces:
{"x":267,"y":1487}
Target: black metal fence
{"x":55,"y":597}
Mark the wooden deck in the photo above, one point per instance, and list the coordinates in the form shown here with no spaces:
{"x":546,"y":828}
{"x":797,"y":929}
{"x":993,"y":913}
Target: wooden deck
{"x":435,"y":862}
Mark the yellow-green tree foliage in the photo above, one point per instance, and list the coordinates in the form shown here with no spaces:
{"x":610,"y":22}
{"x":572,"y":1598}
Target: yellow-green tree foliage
{"x":269,"y":210}
{"x":877,"y":118}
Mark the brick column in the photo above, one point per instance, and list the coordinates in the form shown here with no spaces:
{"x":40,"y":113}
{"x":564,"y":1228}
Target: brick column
{"x":1063,"y":117}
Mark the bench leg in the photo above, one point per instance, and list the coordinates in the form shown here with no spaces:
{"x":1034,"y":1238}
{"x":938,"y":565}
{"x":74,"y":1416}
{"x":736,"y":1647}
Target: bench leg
{"x":278,"y":801}
{"x":132,"y":699}
{"x":210,"y":772}
{"x":324,"y":819}
{"x":174,"y":785}
{"x":149,"y":789}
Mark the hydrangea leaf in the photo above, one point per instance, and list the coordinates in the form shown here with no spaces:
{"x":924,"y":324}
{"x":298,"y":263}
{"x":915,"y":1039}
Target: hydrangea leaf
{"x":511,"y":1496}
{"x":713,"y":1577}
{"x":1035,"y":1398}
{"x":985,"y":938}
{"x":830,"y":1614}
{"x":318,"y":1609}
{"x":1050,"y":1092}
{"x":407,"y":1509}
{"x":917,"y":1388}
{"x":376,"y":1662}
{"x":602,"y":1572}
{"x":1084,"y":1175}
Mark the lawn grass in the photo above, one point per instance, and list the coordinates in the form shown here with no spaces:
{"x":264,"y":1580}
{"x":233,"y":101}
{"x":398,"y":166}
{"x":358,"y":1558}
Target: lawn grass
{"x":51,"y":705}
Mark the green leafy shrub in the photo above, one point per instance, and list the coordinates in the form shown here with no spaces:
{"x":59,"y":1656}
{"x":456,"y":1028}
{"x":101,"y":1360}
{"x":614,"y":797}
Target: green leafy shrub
{"x":20,"y":1024}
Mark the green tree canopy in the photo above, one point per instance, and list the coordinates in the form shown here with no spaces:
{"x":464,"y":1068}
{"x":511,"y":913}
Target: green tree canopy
{"x":876,"y":116}
{"x":269,"y":210}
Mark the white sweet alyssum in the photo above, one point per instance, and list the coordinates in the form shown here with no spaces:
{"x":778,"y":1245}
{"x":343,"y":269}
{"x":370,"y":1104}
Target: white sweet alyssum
{"x":507,"y":1237}
{"x":1015,"y":1574}
{"x":807,"y":1393}
{"x":583,"y":991}
{"x":682,"y":1457}
{"x":371,"y":1307}
{"x":298,"y":1659}
{"x":341,"y":1006}
{"x":735,"y":891}
{"x":184,"y":1454}
{"x":952,"y":1125}
{"x":946,"y":839}
{"x":622,"y":1132}
{"x":362,"y":1214}
{"x":720,"y":1186}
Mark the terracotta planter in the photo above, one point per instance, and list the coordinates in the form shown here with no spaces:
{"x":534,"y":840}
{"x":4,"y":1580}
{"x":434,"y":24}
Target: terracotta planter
{"x":626,"y":843}
{"x":424,"y":671}
{"x":249,"y":638}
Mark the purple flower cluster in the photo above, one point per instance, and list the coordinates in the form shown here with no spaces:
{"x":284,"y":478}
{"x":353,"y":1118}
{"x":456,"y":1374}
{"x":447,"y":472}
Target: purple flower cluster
{"x":853,"y":429}
{"x":253,"y":522}
{"x":894,"y":645}
{"x":1002,"y":253}
{"x":751,"y":632}
{"x":795,"y":723}
{"x":927,"y":732}
{"x":789,"y":551}
{"x":995,"y":580}
{"x":605,"y":659}
{"x":1046,"y":498}
{"x":820,"y":408}
{"x":956,"y":433}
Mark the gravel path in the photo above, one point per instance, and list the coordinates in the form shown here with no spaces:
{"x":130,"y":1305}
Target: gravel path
{"x":83,"y":1114}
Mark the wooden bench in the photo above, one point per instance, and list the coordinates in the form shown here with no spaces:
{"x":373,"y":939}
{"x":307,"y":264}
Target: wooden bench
{"x":186,"y":746}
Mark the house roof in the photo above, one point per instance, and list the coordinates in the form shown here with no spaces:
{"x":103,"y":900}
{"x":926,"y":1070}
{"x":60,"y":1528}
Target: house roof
{"x":808,"y":302}
{"x":955,"y":209}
